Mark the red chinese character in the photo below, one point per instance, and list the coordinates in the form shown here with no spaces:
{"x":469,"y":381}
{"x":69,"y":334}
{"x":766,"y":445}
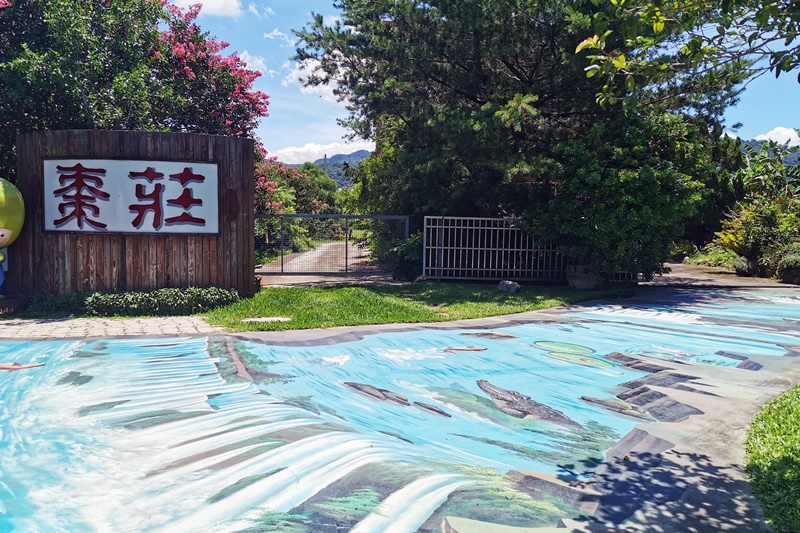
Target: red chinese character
{"x":186,"y":176}
{"x":186,"y":201}
{"x":185,"y":218}
{"x":154,"y":205}
{"x":80,"y":191}
{"x":150,"y":174}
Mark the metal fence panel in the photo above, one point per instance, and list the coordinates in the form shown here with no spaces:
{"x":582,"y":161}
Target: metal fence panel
{"x":327,"y":244}
{"x":487,"y":249}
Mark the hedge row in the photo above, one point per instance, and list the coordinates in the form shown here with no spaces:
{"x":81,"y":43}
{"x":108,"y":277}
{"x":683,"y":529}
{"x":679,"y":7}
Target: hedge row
{"x":161,"y":302}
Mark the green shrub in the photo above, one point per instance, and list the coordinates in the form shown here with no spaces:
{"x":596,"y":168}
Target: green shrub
{"x":618,"y":206}
{"x":745,"y":266}
{"x":760,"y":230}
{"x":161,"y":302}
{"x":714,"y":255}
{"x":680,"y":250}
{"x":42,"y":305}
{"x":408,"y":262}
{"x":768,"y":217}
{"x":382,"y":237}
{"x":793,"y":248}
{"x":789,"y":268}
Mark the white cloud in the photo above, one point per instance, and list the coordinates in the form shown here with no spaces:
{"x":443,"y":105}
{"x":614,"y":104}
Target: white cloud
{"x":260,"y":11}
{"x":221,"y":8}
{"x":279,"y":35}
{"x":781,"y":135}
{"x":312,"y":152}
{"x":255,"y":62}
{"x":330,"y":20}
{"x":298,"y":74}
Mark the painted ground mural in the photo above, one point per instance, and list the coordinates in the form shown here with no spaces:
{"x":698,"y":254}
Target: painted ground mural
{"x":435,"y":430}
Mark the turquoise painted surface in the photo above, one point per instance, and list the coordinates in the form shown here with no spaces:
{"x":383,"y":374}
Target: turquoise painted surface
{"x":696,"y":326}
{"x":160,"y":435}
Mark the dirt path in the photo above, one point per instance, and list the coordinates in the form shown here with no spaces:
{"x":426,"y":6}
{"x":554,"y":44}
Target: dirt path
{"x":325,"y":258}
{"x":696,"y":275}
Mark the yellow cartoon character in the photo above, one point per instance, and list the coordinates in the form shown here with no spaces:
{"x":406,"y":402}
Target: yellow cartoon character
{"x":12,"y":215}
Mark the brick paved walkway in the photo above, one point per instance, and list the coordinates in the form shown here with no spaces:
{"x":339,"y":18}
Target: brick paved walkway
{"x":82,"y":328}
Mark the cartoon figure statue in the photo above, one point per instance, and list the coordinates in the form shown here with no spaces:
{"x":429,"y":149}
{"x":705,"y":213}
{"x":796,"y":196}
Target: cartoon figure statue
{"x":12,"y":215}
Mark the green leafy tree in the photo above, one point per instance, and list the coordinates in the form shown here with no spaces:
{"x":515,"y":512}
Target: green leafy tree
{"x":677,"y":44}
{"x":428,"y":80}
{"x":315,"y":191}
{"x":347,"y":200}
{"x":274,"y":197}
{"x":84,"y":64}
{"x":766,"y":175}
{"x":620,"y":198}
{"x":281,"y":189}
{"x":479,"y":108}
{"x":762,"y":227}
{"x":63,"y":62}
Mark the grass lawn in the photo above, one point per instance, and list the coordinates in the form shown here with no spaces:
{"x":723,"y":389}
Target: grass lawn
{"x":773,"y":460}
{"x":419,"y":302}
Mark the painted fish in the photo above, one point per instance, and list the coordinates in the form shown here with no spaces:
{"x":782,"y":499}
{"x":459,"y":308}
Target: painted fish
{"x":464,"y":349}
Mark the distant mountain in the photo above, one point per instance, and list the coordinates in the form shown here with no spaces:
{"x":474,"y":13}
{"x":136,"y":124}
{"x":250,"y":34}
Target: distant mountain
{"x":352,"y":159}
{"x":334,"y":166}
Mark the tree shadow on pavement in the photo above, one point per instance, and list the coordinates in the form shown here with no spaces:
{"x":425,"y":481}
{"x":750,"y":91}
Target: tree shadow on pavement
{"x":674,"y":492}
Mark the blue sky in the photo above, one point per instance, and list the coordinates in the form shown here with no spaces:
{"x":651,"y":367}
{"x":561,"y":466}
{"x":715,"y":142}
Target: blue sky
{"x":302,"y":125}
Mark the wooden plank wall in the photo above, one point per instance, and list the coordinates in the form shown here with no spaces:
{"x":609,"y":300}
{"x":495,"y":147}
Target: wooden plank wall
{"x":69,"y":262}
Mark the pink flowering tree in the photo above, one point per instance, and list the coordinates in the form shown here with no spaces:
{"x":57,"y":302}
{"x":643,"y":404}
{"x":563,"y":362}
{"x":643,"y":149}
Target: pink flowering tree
{"x":281,"y":189}
{"x":274,"y":197}
{"x":204,"y":90}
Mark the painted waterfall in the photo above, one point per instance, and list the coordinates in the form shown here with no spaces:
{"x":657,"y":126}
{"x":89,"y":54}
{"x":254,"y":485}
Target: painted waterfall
{"x":392,"y":433}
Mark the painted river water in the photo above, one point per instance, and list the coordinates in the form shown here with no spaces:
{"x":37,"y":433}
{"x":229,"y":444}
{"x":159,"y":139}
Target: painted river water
{"x":394,"y":432}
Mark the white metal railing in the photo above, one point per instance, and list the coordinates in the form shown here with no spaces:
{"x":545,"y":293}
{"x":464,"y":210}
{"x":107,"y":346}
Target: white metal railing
{"x":487,"y":249}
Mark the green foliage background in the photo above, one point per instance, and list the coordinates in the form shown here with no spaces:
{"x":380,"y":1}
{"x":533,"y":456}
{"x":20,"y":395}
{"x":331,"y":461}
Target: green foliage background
{"x":482,"y":108}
